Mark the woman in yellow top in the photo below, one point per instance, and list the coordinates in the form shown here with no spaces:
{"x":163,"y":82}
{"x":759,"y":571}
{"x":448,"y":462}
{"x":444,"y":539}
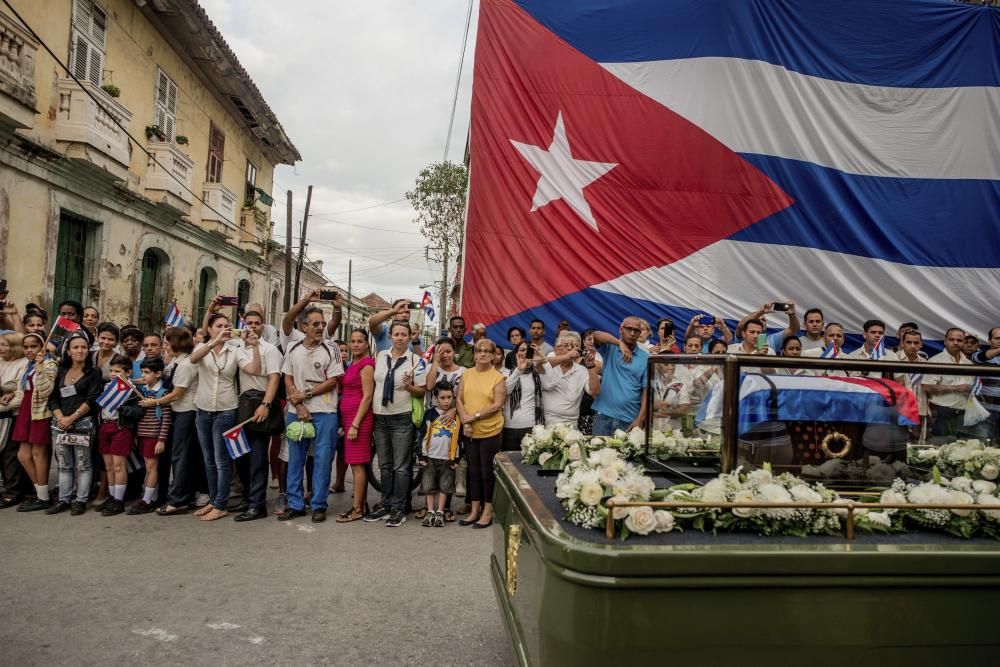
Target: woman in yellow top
{"x":481,"y":395}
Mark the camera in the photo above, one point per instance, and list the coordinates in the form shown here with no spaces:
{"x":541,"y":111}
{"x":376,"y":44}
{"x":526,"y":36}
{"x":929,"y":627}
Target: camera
{"x":413,"y":305}
{"x":238,"y":333}
{"x":327,"y":294}
{"x":780,"y":306}
{"x":529,"y":353}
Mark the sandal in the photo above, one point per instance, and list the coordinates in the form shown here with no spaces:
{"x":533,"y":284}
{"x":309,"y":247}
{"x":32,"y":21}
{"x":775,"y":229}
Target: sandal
{"x":420,"y":514}
{"x":170,"y":510}
{"x":202,"y":511}
{"x":215,"y":515}
{"x":350,"y":515}
{"x":449,"y":516}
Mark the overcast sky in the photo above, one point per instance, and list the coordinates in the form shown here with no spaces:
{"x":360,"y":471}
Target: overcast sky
{"x":364,"y":89}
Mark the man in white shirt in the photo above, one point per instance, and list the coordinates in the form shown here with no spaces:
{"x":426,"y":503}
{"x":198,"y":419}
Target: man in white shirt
{"x":813,"y":336}
{"x":563,"y":379}
{"x":260,"y":374}
{"x":312,"y":372}
{"x":947,"y":394}
{"x":909,"y":351}
{"x":268,"y":332}
{"x":874,"y":331}
{"x":833,"y":348}
{"x":752,"y":329}
{"x":537,"y":333}
{"x":774,"y":339}
{"x":290,"y":331}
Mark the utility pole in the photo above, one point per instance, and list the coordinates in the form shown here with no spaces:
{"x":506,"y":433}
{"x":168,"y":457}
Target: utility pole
{"x":346,"y":328}
{"x":302,"y":242}
{"x":443,"y":317}
{"x":288,"y":253}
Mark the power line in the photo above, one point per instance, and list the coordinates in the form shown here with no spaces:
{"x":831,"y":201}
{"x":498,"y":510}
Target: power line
{"x":458,"y":80}
{"x":363,"y":208}
{"x":110,"y":115}
{"x":351,"y":224}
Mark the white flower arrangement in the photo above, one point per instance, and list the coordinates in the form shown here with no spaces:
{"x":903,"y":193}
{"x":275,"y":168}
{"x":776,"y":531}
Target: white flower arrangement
{"x":586,"y":484}
{"x":552,"y":446}
{"x":672,"y":443}
{"x":758,"y":486}
{"x":969,"y":457}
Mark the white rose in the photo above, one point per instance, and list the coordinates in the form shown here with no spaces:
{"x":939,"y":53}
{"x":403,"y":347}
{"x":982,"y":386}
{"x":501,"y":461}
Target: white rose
{"x":744,"y":497}
{"x":641,"y":520}
{"x":927,"y":454}
{"x":608,"y":476}
{"x":960,"y":498}
{"x":597,"y":442}
{"x":637,"y":437}
{"x":543,"y":457}
{"x":962,"y":484}
{"x":991,"y":501}
{"x":842,"y":513}
{"x":608,"y":457}
{"x":574,"y":452}
{"x":714,"y":491}
{"x":540,"y":433}
{"x":573,"y":436}
{"x":664,"y":521}
{"x":591,"y":493}
{"x":619,"y":512}
{"x":775,"y":493}
{"x":982,"y":486}
{"x":759,"y":477}
{"x":891,"y":497}
{"x":803,"y":494}
{"x":928,"y":493}
{"x":560,"y":430}
{"x":620,"y":435}
{"x":527,"y":442}
{"x":974,"y":442}
{"x":658,"y":438}
{"x":880,"y":518}
{"x":989,"y":471}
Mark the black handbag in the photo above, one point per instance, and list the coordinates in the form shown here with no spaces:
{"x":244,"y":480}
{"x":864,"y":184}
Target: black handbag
{"x":248,"y":403}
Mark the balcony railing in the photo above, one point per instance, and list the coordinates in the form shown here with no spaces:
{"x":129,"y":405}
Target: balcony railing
{"x":220,"y":213}
{"x":90,"y":130}
{"x":168,"y":176}
{"x":17,"y":74}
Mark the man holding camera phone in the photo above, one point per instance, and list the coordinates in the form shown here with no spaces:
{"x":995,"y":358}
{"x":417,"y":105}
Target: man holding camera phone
{"x":400,"y":312}
{"x":774,"y":340}
{"x":290,"y":332}
{"x":704,"y":326}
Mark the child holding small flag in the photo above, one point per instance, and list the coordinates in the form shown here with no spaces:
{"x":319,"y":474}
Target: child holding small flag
{"x":152,"y":431}
{"x":116,"y":432}
{"x":439,"y":453}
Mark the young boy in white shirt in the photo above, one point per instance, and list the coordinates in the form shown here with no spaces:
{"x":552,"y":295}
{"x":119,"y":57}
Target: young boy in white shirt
{"x":439,"y":453}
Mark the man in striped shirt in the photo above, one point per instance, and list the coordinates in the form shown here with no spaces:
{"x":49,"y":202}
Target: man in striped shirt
{"x":989,"y":394}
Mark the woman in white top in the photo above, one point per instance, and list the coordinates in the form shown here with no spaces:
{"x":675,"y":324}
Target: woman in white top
{"x":216,"y":400}
{"x":398,"y":378}
{"x":185,"y":456}
{"x":12,"y":367}
{"x":671,"y":395}
{"x":443,"y":367}
{"x":105,"y":347}
{"x":523,"y":407}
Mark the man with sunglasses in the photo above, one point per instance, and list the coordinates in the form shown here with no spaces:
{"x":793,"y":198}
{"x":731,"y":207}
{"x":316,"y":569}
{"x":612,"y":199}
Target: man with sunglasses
{"x":620,"y":394}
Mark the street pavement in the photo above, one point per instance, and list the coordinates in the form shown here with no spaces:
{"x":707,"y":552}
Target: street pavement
{"x":176,"y":591}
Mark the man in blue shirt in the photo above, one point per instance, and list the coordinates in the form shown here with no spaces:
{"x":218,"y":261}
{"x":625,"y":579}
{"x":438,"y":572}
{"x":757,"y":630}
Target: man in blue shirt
{"x":620,"y":400}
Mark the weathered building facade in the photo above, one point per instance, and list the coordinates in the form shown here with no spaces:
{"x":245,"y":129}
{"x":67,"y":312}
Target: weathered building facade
{"x":178,"y":212}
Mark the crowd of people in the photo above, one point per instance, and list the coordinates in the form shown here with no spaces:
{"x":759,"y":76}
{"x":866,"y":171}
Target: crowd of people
{"x":234,"y":402}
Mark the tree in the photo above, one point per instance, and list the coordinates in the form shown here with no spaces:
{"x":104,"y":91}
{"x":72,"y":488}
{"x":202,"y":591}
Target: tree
{"x":439,"y":200}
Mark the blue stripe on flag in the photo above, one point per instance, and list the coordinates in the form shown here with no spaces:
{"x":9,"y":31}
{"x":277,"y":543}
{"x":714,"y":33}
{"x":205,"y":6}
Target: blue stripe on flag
{"x":921,"y":222}
{"x":934,"y":43}
{"x":237,"y":444}
{"x":113,"y":397}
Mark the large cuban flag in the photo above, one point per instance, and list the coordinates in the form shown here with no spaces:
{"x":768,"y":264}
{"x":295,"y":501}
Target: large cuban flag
{"x":664,"y":158}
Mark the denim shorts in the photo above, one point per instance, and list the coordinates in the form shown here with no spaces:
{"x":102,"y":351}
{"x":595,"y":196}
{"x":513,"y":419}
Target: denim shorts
{"x":437,"y":477}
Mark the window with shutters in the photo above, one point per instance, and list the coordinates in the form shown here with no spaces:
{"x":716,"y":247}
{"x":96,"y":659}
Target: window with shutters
{"x":216,"y":149}
{"x":89,"y":37}
{"x":166,"y":104}
{"x":251,"y":183}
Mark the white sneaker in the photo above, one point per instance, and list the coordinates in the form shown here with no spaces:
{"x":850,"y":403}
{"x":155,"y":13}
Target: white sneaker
{"x":201,"y":499}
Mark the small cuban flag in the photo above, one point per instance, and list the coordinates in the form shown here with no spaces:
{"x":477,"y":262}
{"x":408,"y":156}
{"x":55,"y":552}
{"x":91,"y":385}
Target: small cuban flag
{"x":831,"y":352}
{"x":428,"y":305}
{"x":134,"y":462}
{"x":241,"y":323}
{"x":425,"y":359}
{"x":114,"y":395}
{"x":878,"y":352}
{"x":174,"y":318}
{"x":236,"y":442}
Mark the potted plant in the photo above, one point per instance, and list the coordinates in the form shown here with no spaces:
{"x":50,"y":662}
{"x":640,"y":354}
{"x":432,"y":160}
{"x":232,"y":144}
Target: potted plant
{"x":112,"y":90}
{"x":181,"y":140}
{"x":155,"y":131}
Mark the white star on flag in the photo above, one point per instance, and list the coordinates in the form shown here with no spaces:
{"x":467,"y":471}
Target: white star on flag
{"x":561,"y":176}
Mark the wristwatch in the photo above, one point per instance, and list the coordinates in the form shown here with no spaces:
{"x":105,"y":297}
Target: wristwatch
{"x":266,"y":404}
{"x":309,"y":392}
{"x":478,"y":415}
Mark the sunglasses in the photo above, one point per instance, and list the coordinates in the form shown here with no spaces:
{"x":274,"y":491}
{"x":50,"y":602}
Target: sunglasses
{"x":632,"y":329}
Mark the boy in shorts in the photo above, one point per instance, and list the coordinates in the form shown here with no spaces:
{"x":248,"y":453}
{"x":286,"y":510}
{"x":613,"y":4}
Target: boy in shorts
{"x":152,"y":431}
{"x":115,"y":436}
{"x":439,"y":453}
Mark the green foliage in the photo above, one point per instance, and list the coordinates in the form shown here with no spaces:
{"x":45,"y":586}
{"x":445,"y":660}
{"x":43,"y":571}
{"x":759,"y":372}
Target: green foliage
{"x":438,"y":197}
{"x":112,"y":90}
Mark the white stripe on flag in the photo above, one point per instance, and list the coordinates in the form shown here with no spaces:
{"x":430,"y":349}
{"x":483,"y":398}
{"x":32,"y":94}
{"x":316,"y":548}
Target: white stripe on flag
{"x":134,"y":462}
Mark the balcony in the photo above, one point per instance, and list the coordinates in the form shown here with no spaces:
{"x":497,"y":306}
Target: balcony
{"x":166,"y":173}
{"x":88,"y":132}
{"x":17,"y":75}
{"x":254,"y":226}
{"x":220,"y":213}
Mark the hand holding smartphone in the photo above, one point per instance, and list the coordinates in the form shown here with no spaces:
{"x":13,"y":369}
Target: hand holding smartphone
{"x":228,"y":300}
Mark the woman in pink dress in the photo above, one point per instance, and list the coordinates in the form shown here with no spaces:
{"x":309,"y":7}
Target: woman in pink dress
{"x":358,"y":386}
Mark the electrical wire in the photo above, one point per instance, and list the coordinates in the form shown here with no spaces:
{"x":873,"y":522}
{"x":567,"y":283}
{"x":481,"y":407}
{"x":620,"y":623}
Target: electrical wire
{"x":363,"y":208}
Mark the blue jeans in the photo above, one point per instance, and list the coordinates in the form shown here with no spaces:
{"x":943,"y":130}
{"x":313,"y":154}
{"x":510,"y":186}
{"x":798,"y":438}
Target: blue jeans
{"x":604,"y":425}
{"x":70,"y":458}
{"x":218,"y":464}
{"x":393,"y":437}
{"x":324,"y":446}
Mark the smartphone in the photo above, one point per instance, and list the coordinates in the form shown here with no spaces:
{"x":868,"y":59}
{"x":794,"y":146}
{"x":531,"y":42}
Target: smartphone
{"x":327,"y":294}
{"x":706,"y":319}
{"x":229,"y":300}
{"x":761,"y":341}
{"x":529,"y":353}
{"x":3,"y":286}
{"x":779,"y":306}
{"x":238,"y":333}
{"x":668,"y":329}
{"x":413,"y":305}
